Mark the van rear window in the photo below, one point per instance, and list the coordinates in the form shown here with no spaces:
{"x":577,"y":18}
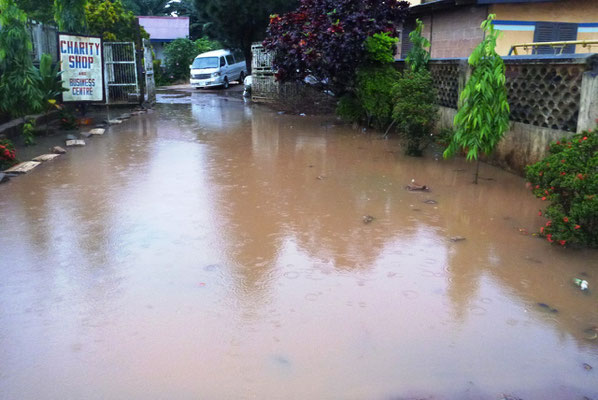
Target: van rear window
{"x":205,"y":62}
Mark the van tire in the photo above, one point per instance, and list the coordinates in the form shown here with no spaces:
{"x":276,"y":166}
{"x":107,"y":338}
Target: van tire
{"x":241,"y":77}
{"x":225,"y":85}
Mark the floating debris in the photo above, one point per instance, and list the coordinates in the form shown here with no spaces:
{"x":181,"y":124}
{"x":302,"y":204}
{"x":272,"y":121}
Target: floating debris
{"x":23,"y":167}
{"x":114,"y":121}
{"x":367,"y":219}
{"x":531,"y":259}
{"x":587,"y":367}
{"x":582,"y":283}
{"x":414,"y":186}
{"x":548,"y":308}
{"x":457,"y":238}
{"x":71,"y":137}
{"x":430,"y":201}
{"x":591,"y":333}
{"x":58,"y":150}
{"x":320,"y":177}
{"x":523,"y":231}
{"x":46,"y":157}
{"x":97,"y":131}
{"x":71,"y":143}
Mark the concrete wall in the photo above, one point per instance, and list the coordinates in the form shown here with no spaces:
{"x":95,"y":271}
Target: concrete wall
{"x":455,"y":33}
{"x":575,"y":11}
{"x":522,"y":145}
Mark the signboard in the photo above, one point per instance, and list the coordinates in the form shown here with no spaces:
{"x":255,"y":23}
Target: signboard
{"x":82,"y":67}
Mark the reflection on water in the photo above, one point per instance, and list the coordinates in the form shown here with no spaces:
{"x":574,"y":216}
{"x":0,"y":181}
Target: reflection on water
{"x":216,"y":250}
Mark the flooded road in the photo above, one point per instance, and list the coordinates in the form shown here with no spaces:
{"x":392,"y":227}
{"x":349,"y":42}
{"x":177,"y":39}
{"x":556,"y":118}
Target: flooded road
{"x":215,"y":250}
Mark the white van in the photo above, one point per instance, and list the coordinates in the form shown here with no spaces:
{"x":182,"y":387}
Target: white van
{"x":217,"y":68}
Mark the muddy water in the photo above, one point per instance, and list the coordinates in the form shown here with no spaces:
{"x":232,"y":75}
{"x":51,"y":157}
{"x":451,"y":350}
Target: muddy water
{"x":213,"y":250}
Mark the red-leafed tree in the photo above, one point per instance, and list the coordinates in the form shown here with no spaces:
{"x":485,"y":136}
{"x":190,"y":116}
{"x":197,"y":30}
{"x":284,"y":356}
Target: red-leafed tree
{"x":325,"y":38}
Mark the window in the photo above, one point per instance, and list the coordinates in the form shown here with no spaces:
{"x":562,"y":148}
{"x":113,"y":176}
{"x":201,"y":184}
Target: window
{"x":406,"y":45}
{"x":222,"y":62}
{"x":554,"y":32}
{"x":206,"y":62}
{"x":230,"y":60}
{"x":238,"y":55}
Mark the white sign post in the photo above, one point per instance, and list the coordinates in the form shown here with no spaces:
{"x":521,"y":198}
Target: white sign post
{"x":81,"y":63}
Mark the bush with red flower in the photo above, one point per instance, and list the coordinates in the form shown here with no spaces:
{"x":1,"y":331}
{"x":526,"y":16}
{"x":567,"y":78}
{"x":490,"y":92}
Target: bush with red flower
{"x":326,"y":39}
{"x":568,"y":179}
{"x":8,"y":155}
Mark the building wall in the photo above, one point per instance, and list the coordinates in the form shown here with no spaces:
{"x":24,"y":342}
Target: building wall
{"x":576,"y":11}
{"x":455,"y":33}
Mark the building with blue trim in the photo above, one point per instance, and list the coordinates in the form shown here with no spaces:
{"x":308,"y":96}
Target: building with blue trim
{"x":163,"y":30}
{"x":453,"y":26}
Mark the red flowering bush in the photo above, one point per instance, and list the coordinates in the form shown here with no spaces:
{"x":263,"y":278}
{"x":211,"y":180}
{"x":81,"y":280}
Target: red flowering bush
{"x":7,"y":154}
{"x":568,"y":179}
{"x":326,"y":38}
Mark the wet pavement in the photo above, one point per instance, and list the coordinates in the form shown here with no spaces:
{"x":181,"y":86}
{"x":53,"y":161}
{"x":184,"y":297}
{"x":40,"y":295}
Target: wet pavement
{"x":213,"y":249}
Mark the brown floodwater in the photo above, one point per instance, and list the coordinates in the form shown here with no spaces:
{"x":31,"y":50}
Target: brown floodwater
{"x":216,"y":250}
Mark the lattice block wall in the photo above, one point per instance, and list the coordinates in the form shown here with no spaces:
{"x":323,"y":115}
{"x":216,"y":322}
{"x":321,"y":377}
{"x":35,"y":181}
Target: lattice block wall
{"x":446,"y":81}
{"x":545,"y":95}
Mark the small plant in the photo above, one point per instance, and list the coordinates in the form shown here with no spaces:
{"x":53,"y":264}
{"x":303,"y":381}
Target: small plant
{"x":67,"y":119}
{"x":415,"y":110}
{"x":444,"y":136}
{"x":483,"y":115}
{"x":568,"y":178}
{"x":8,"y":154}
{"x":28,"y":132}
{"x":414,"y":98}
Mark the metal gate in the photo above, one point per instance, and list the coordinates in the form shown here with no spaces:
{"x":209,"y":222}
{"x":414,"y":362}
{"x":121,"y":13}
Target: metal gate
{"x":148,"y":63}
{"x":120,"y":73}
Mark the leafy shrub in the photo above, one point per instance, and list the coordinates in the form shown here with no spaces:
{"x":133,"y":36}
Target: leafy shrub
{"x":179,"y":54}
{"x":7,"y":154}
{"x":19,"y":92}
{"x":380,"y":48}
{"x":568,"y":178}
{"x":350,"y":109}
{"x":326,"y":38}
{"x":415,"y":111}
{"x":50,"y":83}
{"x":374,"y":85}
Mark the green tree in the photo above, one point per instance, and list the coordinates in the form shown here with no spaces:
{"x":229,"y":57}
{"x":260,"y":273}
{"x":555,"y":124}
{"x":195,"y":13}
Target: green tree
{"x":109,"y":19}
{"x":483,"y":115}
{"x":70,"y":15}
{"x":239,"y":23}
{"x":148,"y":7}
{"x":38,"y":10}
{"x":419,"y":55}
{"x":19,"y":92}
{"x":179,"y":54}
